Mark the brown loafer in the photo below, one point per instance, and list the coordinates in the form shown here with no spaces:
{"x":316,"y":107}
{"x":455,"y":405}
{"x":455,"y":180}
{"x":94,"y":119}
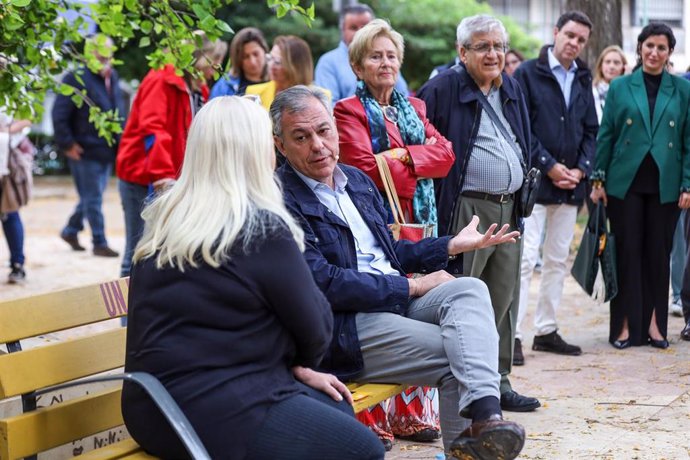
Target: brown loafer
{"x":104,"y":251}
{"x":489,"y":440}
{"x":73,"y":241}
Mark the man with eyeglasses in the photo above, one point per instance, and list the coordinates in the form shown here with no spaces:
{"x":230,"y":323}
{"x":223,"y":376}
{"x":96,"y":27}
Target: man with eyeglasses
{"x":333,"y":71}
{"x":558,"y":91}
{"x":490,"y":162}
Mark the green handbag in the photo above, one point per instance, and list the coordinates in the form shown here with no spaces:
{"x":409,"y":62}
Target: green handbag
{"x":594,"y":267}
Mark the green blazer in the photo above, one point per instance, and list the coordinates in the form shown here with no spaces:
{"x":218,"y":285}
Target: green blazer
{"x":626,"y":135}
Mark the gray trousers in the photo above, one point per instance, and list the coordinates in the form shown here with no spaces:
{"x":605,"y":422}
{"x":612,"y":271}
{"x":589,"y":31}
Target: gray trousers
{"x":447,"y":339}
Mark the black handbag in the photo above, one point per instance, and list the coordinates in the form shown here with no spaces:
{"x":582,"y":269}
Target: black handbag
{"x":594,"y":267}
{"x":527,"y":195}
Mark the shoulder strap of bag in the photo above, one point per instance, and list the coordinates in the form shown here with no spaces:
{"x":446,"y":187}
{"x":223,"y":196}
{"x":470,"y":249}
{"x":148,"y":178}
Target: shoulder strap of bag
{"x":389,"y":187}
{"x":494,"y":118}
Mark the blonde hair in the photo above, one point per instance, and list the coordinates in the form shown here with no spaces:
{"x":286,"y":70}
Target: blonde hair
{"x":210,"y":53}
{"x":364,"y":40}
{"x":297,"y":61}
{"x":226,"y":194}
{"x":598,"y":72}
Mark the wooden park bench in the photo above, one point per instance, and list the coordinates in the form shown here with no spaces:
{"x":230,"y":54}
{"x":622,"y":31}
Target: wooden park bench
{"x":43,"y":375}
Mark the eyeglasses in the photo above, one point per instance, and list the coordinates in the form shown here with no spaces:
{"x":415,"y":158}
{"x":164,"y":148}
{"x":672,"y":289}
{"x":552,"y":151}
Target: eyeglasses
{"x":270,"y":59}
{"x":485,"y":48}
{"x":391,"y":113}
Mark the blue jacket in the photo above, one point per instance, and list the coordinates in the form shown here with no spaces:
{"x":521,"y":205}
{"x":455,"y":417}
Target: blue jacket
{"x":453,"y":108}
{"x":71,"y":123}
{"x":331,"y":254}
{"x":560,"y":134}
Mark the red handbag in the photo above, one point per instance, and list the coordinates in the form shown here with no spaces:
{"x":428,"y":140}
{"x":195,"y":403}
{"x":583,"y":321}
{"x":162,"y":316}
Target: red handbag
{"x":400,"y":229}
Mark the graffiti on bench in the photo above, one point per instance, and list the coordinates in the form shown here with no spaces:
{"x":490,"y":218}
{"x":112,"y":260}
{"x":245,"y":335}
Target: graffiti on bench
{"x":80,"y":446}
{"x":113,"y":299}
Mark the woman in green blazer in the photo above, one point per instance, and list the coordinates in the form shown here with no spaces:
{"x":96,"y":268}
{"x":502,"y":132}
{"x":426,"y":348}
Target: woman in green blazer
{"x":642,"y":173}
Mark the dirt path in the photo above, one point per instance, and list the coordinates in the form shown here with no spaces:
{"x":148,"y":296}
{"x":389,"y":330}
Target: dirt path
{"x":605,"y":404}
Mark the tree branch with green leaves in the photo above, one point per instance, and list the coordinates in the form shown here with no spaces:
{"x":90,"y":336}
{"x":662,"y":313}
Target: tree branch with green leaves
{"x":38,"y":44}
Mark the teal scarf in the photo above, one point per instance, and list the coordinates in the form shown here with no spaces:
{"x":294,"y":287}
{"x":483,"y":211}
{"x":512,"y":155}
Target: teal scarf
{"x":412,"y":131}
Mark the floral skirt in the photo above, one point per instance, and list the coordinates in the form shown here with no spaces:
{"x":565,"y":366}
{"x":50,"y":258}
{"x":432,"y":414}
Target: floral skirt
{"x":410,"y":412}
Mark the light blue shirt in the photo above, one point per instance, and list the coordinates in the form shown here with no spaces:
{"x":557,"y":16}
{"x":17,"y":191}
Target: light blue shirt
{"x":370,"y":256}
{"x":564,"y":77}
{"x":333,"y":72}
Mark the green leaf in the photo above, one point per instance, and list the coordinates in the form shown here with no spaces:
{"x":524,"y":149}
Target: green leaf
{"x":282,"y":10}
{"x":65,"y":90}
{"x":208,"y":23}
{"x":200,"y":11}
{"x":20,"y":3}
{"x":224,"y":27}
{"x":146,"y":26}
{"x":144,"y":42}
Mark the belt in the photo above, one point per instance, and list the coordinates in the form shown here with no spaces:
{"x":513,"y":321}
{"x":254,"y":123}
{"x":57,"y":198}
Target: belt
{"x":500,"y":198}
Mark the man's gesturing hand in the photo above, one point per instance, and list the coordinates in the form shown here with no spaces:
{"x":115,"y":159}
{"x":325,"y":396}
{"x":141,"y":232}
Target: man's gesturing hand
{"x":470,"y":239}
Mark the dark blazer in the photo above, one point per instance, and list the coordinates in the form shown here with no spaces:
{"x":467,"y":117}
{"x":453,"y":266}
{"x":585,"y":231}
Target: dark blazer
{"x":71,"y":123}
{"x":331,"y":255}
{"x":222,"y":341}
{"x":560,"y":133}
{"x":453,"y":108}
{"x":627,"y":134}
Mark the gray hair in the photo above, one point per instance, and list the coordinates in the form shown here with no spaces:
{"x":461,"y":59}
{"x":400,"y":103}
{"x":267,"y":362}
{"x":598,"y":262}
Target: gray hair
{"x":480,"y":23}
{"x":355,"y":10}
{"x":292,"y":100}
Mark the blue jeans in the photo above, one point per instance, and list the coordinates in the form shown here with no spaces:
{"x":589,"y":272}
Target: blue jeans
{"x":90,"y":179}
{"x":133,"y":197}
{"x":14,"y":234}
{"x":313,"y":427}
{"x":678,"y":257}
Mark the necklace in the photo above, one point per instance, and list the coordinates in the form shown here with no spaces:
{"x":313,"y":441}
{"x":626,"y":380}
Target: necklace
{"x":390,"y":113}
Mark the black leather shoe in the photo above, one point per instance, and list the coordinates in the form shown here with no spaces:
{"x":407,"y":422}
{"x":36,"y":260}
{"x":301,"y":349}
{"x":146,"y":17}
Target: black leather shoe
{"x":621,"y":344}
{"x":512,"y":401}
{"x":424,"y":435}
{"x":685,"y":333}
{"x":662,"y":344}
{"x":387,"y":444}
{"x":489,"y":440}
{"x":518,"y":357}
{"x":554,"y":343}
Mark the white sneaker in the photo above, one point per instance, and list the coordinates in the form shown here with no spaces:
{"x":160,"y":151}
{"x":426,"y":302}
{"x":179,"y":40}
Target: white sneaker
{"x":676,"y":308}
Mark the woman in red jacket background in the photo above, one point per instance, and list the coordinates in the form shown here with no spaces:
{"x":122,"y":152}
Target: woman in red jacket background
{"x":379,"y":120}
{"x":152,"y":146}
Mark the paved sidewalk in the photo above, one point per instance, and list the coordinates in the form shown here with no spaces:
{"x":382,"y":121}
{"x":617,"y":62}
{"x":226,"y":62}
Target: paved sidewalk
{"x":606,"y":404}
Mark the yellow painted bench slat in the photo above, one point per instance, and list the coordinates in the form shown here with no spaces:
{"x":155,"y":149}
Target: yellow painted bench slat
{"x":56,"y":311}
{"x":365,"y":395}
{"x":35,"y":368}
{"x":28,"y":433}
{"x":127,"y":449}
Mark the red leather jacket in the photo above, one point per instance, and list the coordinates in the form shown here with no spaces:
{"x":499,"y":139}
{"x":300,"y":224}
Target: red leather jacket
{"x":428,"y":161}
{"x":162,"y":113}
